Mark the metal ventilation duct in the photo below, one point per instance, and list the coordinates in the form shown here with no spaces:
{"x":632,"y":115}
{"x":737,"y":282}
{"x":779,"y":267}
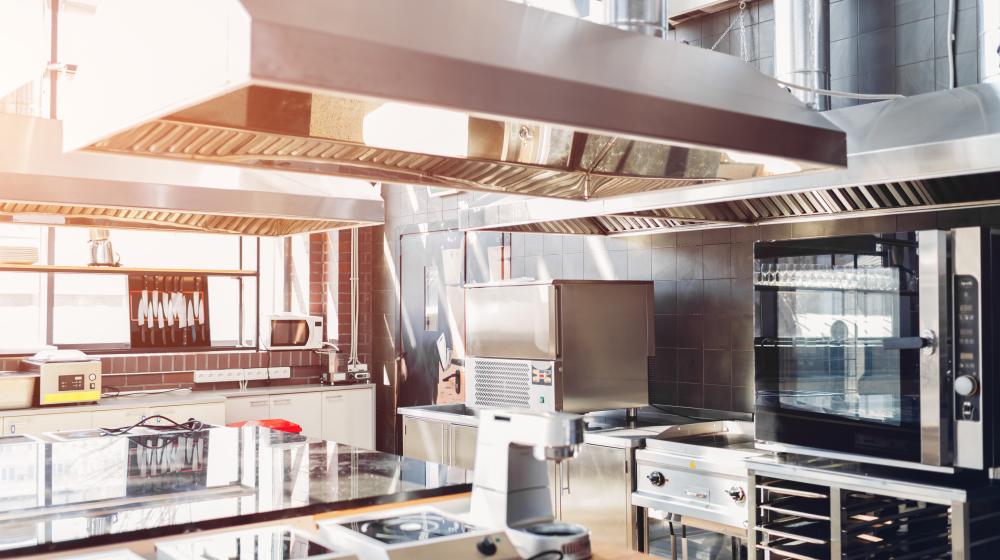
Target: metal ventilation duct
{"x":101,"y":190}
{"x":802,"y":47}
{"x":648,"y":17}
{"x":420,"y":93}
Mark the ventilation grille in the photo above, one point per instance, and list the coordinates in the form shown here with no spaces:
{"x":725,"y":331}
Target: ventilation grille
{"x":502,"y":383}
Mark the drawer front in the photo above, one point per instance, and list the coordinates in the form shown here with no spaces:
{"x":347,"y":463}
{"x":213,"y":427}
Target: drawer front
{"x":41,"y":423}
{"x":119,"y":418}
{"x":213,"y":413}
{"x":242,"y":409}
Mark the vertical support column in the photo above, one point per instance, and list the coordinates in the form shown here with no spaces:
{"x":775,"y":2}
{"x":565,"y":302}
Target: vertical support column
{"x":802,"y":47}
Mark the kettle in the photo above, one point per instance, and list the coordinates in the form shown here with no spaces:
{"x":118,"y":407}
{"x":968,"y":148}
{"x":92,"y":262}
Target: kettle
{"x":101,"y":253}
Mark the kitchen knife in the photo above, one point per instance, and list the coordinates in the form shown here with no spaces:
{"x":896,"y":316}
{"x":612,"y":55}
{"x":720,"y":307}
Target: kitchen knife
{"x":140,"y":314}
{"x":182,"y":317}
{"x":190,"y":317}
{"x":160,"y":321}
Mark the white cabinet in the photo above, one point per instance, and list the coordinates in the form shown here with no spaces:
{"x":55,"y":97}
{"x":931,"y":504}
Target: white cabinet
{"x":38,"y":424}
{"x":303,"y":409}
{"x":241,"y":409}
{"x":349,"y":417}
{"x":208,"y":413}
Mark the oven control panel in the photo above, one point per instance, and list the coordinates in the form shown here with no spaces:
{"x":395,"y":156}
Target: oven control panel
{"x":967,"y":354}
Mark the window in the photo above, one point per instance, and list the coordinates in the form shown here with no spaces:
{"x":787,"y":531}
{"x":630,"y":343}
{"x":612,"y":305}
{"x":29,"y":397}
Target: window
{"x":71,"y":308}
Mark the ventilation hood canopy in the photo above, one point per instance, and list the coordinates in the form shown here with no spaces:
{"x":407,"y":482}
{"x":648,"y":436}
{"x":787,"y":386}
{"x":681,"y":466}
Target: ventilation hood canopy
{"x":40,"y":183}
{"x":927,"y":152}
{"x":486,"y":95}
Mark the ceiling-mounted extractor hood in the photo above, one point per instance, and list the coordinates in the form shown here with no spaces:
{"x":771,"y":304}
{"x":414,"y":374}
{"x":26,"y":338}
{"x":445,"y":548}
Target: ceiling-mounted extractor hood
{"x":41,"y":184}
{"x":482,"y":95}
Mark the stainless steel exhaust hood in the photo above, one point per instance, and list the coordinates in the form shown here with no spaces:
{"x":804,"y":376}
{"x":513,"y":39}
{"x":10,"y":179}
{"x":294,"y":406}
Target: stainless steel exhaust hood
{"x":932,"y":151}
{"x":486,"y":95}
{"x":38,"y":182}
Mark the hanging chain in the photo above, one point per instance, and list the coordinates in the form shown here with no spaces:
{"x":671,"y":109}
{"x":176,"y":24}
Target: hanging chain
{"x":740,"y":21}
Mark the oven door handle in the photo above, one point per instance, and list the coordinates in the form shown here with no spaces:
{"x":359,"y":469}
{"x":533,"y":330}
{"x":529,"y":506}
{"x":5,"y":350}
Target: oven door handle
{"x":927,"y":341}
{"x":936,"y":444}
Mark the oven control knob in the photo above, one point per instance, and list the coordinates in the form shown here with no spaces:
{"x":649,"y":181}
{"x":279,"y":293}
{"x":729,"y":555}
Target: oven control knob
{"x":486,"y":547}
{"x":736,"y":493}
{"x":966,"y":385}
{"x":656,"y":478}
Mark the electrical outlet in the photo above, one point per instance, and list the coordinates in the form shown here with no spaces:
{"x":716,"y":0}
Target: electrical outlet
{"x":279,"y":373}
{"x":357,"y":368}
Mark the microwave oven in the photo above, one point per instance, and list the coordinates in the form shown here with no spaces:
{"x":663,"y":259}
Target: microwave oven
{"x":293,"y":332}
{"x":880,"y":348}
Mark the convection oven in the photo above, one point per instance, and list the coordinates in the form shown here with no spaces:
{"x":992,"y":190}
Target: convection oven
{"x":877,"y":348}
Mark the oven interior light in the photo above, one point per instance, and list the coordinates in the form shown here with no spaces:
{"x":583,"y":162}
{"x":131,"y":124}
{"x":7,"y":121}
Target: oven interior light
{"x":864,"y":517}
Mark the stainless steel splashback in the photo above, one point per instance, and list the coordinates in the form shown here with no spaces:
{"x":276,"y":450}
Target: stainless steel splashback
{"x":588,"y":345}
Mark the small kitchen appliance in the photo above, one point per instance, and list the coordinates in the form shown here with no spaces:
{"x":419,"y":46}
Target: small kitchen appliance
{"x":511,"y":484}
{"x":420,"y":533}
{"x":880,"y":348}
{"x":65,"y":376}
{"x":101,"y":252}
{"x":560,"y":345}
{"x":287,"y":331}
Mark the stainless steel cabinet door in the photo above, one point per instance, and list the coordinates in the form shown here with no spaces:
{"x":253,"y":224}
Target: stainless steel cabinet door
{"x":425,"y":440}
{"x":463,"y":446}
{"x":596,"y":493}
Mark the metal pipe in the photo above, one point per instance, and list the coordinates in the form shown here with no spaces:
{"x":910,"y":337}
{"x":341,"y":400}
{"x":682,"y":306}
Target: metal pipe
{"x":648,"y":17}
{"x":802,"y":47}
{"x":989,"y":40}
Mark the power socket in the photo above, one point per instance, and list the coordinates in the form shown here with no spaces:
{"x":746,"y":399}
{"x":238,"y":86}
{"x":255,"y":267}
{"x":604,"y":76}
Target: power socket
{"x":279,"y":373}
{"x":357,"y":368}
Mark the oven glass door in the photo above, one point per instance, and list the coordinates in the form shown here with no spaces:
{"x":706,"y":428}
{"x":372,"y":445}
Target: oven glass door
{"x":836,"y":348}
{"x":289,"y":333}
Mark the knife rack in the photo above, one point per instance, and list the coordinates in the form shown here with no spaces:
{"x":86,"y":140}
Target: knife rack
{"x":156,"y":316}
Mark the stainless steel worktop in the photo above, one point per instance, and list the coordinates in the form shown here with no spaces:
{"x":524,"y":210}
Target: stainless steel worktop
{"x":103,"y":490}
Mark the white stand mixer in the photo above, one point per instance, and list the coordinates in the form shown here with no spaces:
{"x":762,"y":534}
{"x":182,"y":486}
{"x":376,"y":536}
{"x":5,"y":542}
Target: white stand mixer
{"x":511,"y":485}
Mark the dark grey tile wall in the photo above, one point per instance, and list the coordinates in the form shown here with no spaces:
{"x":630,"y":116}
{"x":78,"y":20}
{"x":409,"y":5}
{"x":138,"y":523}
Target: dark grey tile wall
{"x":876,"y":46}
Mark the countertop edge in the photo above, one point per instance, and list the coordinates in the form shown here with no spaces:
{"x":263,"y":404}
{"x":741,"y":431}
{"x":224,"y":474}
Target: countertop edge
{"x":181,"y":398}
{"x":594,"y":438}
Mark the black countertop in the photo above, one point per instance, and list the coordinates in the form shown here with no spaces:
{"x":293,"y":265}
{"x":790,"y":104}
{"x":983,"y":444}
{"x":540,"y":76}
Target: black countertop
{"x":88,"y":492}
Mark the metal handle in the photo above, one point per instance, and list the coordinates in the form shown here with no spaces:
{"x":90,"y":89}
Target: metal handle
{"x":935,"y":404}
{"x":927,"y":341}
{"x":283,"y":401}
{"x":332,"y":397}
{"x":695,"y":494}
{"x":258,"y":403}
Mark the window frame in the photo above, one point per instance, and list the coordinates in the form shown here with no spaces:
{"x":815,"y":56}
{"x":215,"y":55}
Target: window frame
{"x":46,"y":308}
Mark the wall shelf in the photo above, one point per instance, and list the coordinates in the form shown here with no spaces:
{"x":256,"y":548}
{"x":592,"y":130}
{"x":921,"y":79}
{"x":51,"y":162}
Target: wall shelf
{"x":38,"y":268}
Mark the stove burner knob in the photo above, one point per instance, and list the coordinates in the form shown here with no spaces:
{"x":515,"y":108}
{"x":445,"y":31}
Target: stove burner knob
{"x":736,"y":493}
{"x":486,"y":547}
{"x":966,"y":385}
{"x":656,"y":478}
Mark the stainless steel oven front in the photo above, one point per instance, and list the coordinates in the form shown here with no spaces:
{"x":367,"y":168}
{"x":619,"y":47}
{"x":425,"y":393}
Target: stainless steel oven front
{"x":876,"y":347}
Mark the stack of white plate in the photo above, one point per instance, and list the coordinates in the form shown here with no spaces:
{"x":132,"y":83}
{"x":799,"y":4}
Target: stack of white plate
{"x":18,"y":255}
